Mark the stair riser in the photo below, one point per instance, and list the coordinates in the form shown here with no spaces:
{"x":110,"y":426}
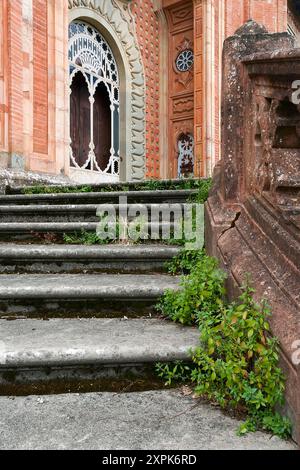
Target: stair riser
{"x":62,"y":218}
{"x":50,"y":234}
{"x":49,"y":217}
{"x":62,"y":214}
{"x":45,"y":266}
{"x":155,"y":197}
{"x":79,"y":308}
{"x":79,"y":379}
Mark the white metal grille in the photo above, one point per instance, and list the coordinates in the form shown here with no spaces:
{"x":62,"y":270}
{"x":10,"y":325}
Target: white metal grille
{"x":185,"y":60}
{"x":186,"y":155}
{"x":90,"y":54}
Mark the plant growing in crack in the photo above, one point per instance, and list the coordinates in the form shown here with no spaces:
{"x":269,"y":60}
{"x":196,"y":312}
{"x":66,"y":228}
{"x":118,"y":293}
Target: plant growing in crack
{"x":236,"y":363}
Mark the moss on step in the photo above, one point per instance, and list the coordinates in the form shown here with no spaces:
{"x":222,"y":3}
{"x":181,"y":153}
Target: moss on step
{"x":149,"y":185}
{"x":124,"y":383}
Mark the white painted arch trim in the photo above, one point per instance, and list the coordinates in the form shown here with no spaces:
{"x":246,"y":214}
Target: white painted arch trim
{"x":111,"y":22}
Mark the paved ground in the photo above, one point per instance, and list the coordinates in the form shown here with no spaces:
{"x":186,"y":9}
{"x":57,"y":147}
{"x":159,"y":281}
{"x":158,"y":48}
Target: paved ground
{"x":150,"y":420}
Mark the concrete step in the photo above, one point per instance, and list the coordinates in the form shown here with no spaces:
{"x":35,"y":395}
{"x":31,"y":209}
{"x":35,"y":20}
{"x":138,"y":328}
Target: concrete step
{"x":161,"y":196}
{"x":36,"y":351}
{"x":48,"y":213}
{"x":101,"y":295}
{"x":34,"y":231}
{"x":43,"y":259}
{"x":87,"y":212}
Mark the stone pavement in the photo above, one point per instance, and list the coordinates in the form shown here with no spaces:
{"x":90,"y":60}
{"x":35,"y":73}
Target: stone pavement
{"x":157,"y":420}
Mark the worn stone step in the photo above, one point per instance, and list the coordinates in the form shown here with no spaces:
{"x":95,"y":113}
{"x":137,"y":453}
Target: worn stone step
{"x":87,"y":212}
{"x":82,"y":294}
{"x":165,"y":184}
{"x":61,"y":349}
{"x":61,"y":227}
{"x":20,"y":259}
{"x":160,"y":196}
{"x":33,"y":231}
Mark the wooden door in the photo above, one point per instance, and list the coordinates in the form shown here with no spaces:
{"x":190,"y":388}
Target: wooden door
{"x":102,"y":126}
{"x":80,"y":121}
{"x":181,"y":77}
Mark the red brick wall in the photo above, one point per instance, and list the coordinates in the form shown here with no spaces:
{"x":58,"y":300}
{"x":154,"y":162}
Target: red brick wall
{"x":147,"y":30}
{"x":217,"y":82}
{"x":270,"y":13}
{"x":3,"y":77}
{"x":198,"y":71}
{"x":15,"y":73}
{"x":40,"y":77}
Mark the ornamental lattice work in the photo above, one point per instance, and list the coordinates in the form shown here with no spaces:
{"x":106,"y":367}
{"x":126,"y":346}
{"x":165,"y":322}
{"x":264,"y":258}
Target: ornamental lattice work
{"x":95,"y":103}
{"x":186,"y":146}
{"x":185,"y":60}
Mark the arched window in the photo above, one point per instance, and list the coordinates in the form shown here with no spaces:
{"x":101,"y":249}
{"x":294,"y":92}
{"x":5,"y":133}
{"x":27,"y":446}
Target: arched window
{"x":94,"y":103}
{"x":186,"y":155}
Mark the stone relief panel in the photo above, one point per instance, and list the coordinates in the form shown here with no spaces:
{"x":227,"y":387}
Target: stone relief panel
{"x":276,"y":140}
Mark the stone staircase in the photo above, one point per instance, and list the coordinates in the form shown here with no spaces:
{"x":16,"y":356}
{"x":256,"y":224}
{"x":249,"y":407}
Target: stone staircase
{"x":82,"y":314}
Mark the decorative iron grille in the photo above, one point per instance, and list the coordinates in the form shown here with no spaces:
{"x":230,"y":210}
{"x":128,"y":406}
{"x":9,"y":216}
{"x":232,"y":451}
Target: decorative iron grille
{"x":90,"y":54}
{"x":185,"y":60}
{"x":186,"y":146}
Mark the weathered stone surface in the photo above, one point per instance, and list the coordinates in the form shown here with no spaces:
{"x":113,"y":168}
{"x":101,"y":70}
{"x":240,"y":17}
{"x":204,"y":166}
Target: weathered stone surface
{"x":135,"y":421}
{"x":82,"y":295}
{"x":14,"y":178}
{"x":236,"y":114}
{"x":147,"y":197}
{"x":252,"y":216}
{"x":82,"y":212}
{"x":88,"y":259}
{"x":63,"y":343}
{"x":103,"y":286}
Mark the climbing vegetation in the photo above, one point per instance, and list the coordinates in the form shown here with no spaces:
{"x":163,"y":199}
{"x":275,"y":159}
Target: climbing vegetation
{"x":201,"y":293}
{"x":202,"y":185}
{"x":236,"y":363}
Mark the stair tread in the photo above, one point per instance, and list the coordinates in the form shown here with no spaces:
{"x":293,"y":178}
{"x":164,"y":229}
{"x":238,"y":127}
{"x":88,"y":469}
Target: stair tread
{"x":115,"y":286}
{"x":74,"y":207}
{"x":91,"y":251}
{"x":41,"y":225}
{"x":62,"y":342}
{"x":99,"y":195}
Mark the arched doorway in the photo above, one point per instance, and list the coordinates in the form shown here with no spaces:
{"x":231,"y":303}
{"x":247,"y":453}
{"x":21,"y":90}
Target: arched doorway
{"x":94,"y":106}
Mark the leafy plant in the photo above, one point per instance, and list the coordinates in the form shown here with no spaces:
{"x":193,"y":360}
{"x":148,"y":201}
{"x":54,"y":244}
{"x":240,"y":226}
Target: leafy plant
{"x":136,"y":228}
{"x":184,"y":262}
{"x":203,"y":185}
{"x":203,"y":191}
{"x":236,"y":363}
{"x":177,"y":372}
{"x":273,"y":422}
{"x":56,"y":189}
{"x":201,"y":293}
{"x":83,"y":238}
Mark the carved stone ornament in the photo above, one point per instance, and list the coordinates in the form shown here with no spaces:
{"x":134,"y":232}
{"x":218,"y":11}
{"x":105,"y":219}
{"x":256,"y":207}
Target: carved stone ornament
{"x":266,"y":118}
{"x":120,"y":20}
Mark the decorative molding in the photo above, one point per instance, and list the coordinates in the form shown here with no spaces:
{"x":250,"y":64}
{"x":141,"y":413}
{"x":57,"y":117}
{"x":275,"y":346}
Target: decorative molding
{"x":114,"y":12}
{"x":180,"y":14}
{"x":183,"y":106}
